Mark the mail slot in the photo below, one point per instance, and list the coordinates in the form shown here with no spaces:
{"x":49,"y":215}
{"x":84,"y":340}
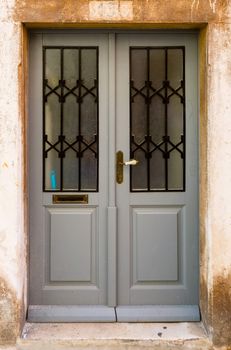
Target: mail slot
{"x":70,"y":199}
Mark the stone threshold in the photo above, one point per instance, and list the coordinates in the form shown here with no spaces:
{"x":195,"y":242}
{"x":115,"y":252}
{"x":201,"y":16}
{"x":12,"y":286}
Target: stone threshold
{"x":106,"y":336}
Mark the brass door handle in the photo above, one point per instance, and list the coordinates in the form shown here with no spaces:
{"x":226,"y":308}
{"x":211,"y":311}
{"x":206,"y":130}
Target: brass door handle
{"x":120,"y":164}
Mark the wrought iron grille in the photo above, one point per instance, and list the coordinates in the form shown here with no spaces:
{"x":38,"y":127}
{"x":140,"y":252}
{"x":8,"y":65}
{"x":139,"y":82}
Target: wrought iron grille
{"x":157,"y":118}
{"x":70,"y":119}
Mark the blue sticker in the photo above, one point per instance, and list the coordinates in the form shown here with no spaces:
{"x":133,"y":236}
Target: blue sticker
{"x":53,"y":179}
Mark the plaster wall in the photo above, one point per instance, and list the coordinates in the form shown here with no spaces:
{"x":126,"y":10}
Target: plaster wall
{"x":213,"y":17}
{"x":219,"y":179}
{"x":12,"y":249}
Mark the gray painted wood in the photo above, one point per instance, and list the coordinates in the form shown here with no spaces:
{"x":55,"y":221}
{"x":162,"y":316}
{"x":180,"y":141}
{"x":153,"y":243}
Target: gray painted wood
{"x":96,"y":254}
{"x":112,"y":210}
{"x":70,"y":313}
{"x":154,"y":244}
{"x":158,"y":313}
{"x":68,"y":243}
{"x":73,"y":244}
{"x":157,"y":232}
{"x":112,"y":255}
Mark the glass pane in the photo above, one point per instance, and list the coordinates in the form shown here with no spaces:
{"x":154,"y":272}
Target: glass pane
{"x":53,"y":67}
{"x":157,"y":68}
{"x":175,"y":67}
{"x":139,"y":119}
{"x":52,"y":118}
{"x":157,"y":171}
{"x":175,"y":171}
{"x":89,"y":119}
{"x":88,"y":171}
{"x":70,"y":67}
{"x":139,"y":172}
{"x":138,"y":73}
{"x":157,"y":118}
{"x":175,"y":119}
{"x":52,"y":176}
{"x":70,"y":171}
{"x":89,"y":67}
{"x":138,"y":68}
{"x":71,"y":118}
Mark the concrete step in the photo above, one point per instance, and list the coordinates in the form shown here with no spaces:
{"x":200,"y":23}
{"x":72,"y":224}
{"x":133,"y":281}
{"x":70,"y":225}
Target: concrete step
{"x":113,"y":336}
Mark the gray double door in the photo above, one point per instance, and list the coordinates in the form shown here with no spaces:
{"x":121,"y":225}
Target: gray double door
{"x":113,"y":177}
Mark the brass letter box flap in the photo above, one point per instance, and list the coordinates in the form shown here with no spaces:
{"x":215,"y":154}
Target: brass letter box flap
{"x":70,"y":198}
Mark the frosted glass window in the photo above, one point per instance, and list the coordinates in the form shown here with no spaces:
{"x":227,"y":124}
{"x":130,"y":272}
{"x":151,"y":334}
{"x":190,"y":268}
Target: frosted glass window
{"x":70,"y":119}
{"x":157,"y":118}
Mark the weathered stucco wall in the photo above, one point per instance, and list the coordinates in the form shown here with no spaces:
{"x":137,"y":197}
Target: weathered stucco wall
{"x":219,"y":180}
{"x":215,"y":137}
{"x":12,"y":249}
{"x":122,"y":11}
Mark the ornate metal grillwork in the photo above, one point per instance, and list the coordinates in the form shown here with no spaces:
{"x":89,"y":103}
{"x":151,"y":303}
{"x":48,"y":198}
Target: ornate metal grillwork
{"x":70,"y":87}
{"x":153,"y":81}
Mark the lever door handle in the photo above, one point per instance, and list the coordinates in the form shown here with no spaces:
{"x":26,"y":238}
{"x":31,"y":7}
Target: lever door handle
{"x":120,"y":165}
{"x":131,"y":162}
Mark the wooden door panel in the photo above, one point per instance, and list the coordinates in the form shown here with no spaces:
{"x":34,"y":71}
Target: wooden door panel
{"x":155,"y":244}
{"x":73,"y":245}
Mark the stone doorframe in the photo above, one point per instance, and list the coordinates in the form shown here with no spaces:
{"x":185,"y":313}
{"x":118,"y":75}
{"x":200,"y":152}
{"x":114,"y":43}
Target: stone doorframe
{"x":213,"y":21}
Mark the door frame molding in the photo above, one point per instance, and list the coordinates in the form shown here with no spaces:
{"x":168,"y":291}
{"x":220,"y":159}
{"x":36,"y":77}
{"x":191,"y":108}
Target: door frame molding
{"x":112,"y":209}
